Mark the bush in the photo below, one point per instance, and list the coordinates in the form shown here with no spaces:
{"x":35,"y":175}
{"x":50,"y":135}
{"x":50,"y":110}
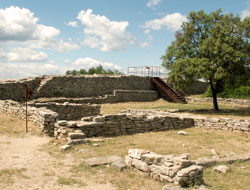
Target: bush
{"x":240,"y":92}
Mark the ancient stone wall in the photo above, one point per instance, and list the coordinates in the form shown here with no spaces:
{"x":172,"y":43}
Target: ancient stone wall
{"x":123,"y":124}
{"x":166,"y":168}
{"x":90,"y":86}
{"x":72,"y":86}
{"x":14,"y":89}
{"x":118,"y":96}
{"x":204,"y":122}
{"x":220,"y":100}
{"x":69,"y":111}
{"x":42,"y":117}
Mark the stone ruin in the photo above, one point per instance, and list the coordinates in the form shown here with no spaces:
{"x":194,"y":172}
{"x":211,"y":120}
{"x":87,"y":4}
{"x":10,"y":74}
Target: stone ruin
{"x":67,"y":108}
{"x":165,"y":168}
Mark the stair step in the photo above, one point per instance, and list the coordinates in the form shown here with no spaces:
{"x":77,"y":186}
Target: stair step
{"x":169,"y":92}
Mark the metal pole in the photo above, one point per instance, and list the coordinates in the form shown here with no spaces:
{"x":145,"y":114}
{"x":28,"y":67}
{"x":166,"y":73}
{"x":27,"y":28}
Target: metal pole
{"x":26,"y":115}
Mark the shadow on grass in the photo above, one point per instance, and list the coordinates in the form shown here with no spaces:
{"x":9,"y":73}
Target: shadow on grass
{"x":224,"y":112}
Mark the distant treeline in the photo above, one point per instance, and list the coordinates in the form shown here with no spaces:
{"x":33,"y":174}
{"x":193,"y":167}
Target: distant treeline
{"x":93,"y":70}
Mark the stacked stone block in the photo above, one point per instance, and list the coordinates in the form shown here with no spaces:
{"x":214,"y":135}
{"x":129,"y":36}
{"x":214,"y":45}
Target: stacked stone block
{"x":166,"y":168}
{"x":42,"y":117}
{"x":122,"y":124}
{"x":70,"y":111}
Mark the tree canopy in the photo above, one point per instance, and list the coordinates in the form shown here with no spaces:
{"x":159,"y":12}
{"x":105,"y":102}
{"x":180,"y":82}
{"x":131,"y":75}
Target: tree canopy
{"x":93,"y":70}
{"x":213,"y":47}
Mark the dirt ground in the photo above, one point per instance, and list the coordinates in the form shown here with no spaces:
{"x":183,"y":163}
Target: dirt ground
{"x":23,"y":165}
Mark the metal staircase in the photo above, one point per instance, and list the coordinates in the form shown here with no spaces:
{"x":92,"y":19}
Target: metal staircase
{"x":168,"y":90}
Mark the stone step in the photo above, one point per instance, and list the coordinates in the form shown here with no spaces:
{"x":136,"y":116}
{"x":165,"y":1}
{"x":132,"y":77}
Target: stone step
{"x":76,"y":136}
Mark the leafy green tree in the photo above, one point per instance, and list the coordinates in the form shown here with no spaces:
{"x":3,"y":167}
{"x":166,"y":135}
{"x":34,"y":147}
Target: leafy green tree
{"x":83,"y":72}
{"x":213,"y":47}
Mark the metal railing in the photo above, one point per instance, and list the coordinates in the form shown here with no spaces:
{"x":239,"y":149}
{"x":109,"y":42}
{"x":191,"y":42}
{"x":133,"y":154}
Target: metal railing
{"x":148,"y":71}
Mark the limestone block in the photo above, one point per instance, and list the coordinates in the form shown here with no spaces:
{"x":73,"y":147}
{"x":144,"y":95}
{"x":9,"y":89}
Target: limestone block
{"x":137,"y":153}
{"x":140,"y":165}
{"x":152,"y":158}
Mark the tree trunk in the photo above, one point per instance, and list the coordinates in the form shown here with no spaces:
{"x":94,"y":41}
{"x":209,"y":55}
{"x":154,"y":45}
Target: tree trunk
{"x":214,"y":94}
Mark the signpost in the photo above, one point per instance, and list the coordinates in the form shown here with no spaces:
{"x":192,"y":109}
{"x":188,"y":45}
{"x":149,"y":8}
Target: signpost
{"x":27,"y":95}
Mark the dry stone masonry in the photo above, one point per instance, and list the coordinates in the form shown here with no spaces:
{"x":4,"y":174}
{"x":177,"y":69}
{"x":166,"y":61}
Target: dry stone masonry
{"x":166,"y":168}
{"x":42,"y":117}
{"x":78,"y":86}
{"x":204,"y":122}
{"x":220,"y":100}
{"x":121,"y":124}
{"x":70,"y":111}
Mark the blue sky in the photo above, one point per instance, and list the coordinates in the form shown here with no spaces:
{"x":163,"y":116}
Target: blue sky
{"x":52,"y":36}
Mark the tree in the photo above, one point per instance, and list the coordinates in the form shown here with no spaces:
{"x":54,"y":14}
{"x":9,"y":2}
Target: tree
{"x":213,"y":47}
{"x":93,"y":70}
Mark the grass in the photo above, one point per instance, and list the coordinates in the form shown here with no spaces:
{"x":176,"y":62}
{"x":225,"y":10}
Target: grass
{"x":198,"y":143}
{"x":7,"y":176}
{"x":10,"y":125}
{"x":237,"y":178}
{"x":228,"y":110}
{"x":70,"y":181}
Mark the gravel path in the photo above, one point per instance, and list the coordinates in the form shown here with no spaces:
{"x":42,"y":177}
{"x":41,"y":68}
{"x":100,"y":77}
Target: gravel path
{"x":38,"y":170}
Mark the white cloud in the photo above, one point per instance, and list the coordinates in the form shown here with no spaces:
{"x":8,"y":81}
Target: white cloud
{"x":19,"y":26}
{"x":145,"y":44}
{"x":104,"y":34}
{"x":22,"y":55}
{"x":245,"y":13}
{"x":87,"y":62}
{"x":23,"y":70}
{"x":171,"y":22}
{"x":153,"y":3}
{"x":73,"y":24}
{"x":56,"y":44}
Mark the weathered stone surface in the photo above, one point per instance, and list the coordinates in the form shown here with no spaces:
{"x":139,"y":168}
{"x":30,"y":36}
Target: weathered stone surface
{"x":166,"y":168}
{"x":140,"y":165}
{"x":65,"y":147}
{"x":76,"y":135}
{"x":119,"y":165}
{"x":186,"y":171}
{"x":137,"y":153}
{"x":152,"y":158}
{"x":172,"y":187}
{"x":213,"y":152}
{"x":182,"y":133}
{"x":102,"y":160}
{"x":128,"y":161}
{"x":77,"y":141}
{"x":221,"y":169}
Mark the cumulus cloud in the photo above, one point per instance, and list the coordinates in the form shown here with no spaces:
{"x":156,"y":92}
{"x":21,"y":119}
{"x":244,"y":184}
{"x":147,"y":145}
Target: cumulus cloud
{"x":245,"y":13}
{"x":104,"y":34}
{"x":22,"y":55}
{"x":23,"y":70}
{"x":171,"y":22}
{"x":19,"y":26}
{"x":56,"y":44}
{"x":73,"y":24}
{"x":153,"y":3}
{"x":145,"y":44}
{"x":87,"y":62}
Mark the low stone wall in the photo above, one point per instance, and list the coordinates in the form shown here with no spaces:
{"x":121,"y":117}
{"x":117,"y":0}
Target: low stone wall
{"x":220,"y":100}
{"x":42,"y":117}
{"x":216,"y":123}
{"x":117,"y":96}
{"x":123,"y":124}
{"x":166,"y":168}
{"x":70,"y":111}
